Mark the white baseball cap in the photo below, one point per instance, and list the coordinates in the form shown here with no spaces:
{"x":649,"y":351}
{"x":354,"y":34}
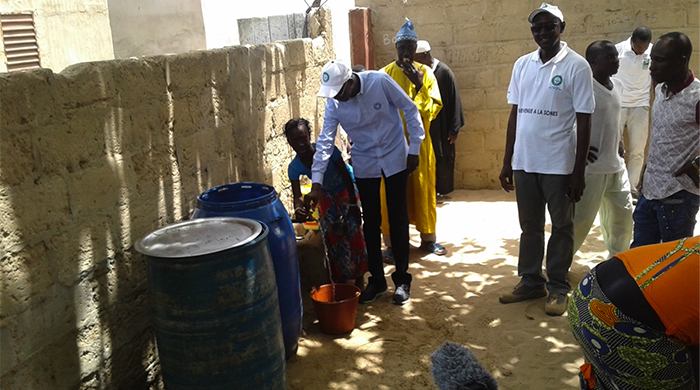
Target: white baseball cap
{"x":334,"y":74}
{"x":422,"y":47}
{"x":552,"y":9}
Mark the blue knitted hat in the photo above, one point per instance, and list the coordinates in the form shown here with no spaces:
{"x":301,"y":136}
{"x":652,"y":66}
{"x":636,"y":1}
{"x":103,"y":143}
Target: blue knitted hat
{"x":407,"y":32}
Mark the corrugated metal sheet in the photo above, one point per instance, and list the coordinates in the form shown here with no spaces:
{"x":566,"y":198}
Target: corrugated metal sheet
{"x":19,"y":38}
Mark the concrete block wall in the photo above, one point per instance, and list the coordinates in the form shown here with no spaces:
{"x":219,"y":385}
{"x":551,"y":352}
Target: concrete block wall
{"x":481,"y":39}
{"x":95,"y":157}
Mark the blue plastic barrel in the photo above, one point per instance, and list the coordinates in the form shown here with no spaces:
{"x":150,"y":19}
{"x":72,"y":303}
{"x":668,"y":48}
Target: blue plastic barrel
{"x":214,"y":305}
{"x":260,"y":202}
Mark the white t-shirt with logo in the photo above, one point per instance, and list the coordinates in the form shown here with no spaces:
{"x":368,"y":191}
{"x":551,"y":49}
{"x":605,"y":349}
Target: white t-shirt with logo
{"x":605,"y":134}
{"x":548,"y":97}
{"x":633,"y":75}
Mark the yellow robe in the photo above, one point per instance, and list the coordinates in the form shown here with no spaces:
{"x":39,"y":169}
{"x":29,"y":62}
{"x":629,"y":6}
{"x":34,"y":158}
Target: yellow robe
{"x":422,"y":205}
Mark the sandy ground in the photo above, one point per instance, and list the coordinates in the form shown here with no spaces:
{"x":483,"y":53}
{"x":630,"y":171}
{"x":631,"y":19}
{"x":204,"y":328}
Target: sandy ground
{"x":455,"y":298}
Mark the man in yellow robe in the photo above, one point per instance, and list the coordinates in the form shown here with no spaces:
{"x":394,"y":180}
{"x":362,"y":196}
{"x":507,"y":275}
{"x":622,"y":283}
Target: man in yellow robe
{"x":419,"y":83}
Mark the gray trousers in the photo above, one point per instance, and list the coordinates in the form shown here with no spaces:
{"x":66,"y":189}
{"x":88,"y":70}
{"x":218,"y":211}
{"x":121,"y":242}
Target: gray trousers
{"x":533,"y":191}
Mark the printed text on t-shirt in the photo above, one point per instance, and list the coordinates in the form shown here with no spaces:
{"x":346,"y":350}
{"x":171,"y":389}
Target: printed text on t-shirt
{"x":537,"y":111}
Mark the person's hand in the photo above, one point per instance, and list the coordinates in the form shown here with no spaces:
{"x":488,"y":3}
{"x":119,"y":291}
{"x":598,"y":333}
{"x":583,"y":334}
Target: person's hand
{"x":690,"y":170}
{"x":414,"y":74}
{"x":311,"y":199}
{"x":506,"y":178}
{"x":592,"y":154}
{"x":621,"y":149}
{"x":452,"y":138}
{"x":412,"y":163}
{"x":301,"y":213}
{"x":577,"y":183}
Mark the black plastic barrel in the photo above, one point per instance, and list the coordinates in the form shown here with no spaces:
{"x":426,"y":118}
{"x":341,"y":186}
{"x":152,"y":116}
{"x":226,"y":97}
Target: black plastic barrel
{"x":214,"y":304}
{"x":259,"y":201}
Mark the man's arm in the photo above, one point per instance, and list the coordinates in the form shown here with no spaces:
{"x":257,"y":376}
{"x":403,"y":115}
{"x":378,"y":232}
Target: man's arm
{"x":692,"y":169}
{"x":506,"y":176}
{"x":428,"y":99}
{"x":577,"y":180}
{"x":324,"y":150}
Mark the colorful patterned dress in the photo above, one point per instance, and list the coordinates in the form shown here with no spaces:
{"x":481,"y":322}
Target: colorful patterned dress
{"x":623,"y":353}
{"x":342,"y":234}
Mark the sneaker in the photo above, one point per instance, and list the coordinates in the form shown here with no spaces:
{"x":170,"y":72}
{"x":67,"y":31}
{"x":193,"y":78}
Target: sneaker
{"x":372,"y":292}
{"x":521,"y":292}
{"x":556,"y":304}
{"x":402,"y":294}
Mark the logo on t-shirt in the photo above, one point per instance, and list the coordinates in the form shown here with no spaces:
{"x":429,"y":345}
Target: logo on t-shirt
{"x":377,"y":106}
{"x":645,"y":64}
{"x":556,"y":82}
{"x":326,"y":77}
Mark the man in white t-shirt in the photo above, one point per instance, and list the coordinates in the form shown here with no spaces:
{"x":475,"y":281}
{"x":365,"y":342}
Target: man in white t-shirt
{"x":607,"y":186}
{"x":551,"y":92}
{"x":634,"y":54}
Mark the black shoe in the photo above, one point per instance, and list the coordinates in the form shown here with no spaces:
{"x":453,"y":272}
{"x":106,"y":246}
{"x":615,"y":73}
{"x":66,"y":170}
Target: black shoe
{"x":402,"y":294}
{"x":372,"y":292}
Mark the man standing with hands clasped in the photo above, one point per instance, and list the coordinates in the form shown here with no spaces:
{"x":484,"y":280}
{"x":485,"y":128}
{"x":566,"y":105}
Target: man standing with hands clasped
{"x":547,"y":139}
{"x":367,"y":105}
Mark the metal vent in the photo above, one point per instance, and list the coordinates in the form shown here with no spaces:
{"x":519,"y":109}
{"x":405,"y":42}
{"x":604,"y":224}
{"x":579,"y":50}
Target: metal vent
{"x":19,"y":38}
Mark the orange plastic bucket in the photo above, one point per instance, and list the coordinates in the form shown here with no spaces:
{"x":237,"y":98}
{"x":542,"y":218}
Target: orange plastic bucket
{"x":336,"y":307}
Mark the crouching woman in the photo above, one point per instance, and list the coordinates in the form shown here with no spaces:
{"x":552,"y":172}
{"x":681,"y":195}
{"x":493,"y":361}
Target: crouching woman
{"x":635,"y":317}
{"x":339,"y":210}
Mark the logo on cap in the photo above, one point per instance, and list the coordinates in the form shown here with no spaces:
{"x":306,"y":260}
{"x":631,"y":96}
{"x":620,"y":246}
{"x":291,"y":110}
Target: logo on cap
{"x":326,"y":77}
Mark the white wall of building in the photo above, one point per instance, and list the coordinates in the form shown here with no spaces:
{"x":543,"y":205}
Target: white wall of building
{"x":221,"y":28}
{"x":67,"y":32}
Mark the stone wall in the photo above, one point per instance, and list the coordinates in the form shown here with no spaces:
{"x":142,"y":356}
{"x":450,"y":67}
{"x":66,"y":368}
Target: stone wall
{"x":481,"y":39}
{"x":95,"y":157}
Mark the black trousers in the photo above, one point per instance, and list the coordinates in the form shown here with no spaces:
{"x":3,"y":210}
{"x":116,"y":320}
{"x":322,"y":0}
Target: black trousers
{"x":398,"y":219}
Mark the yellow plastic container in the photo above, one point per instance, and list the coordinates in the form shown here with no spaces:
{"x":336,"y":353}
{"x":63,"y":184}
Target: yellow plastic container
{"x":310,"y":225}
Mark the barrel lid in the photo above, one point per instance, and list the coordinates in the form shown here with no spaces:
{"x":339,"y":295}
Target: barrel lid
{"x":199,"y":237}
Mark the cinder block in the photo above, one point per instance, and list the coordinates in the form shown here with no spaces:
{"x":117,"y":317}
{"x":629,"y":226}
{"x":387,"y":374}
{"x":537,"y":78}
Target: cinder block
{"x":279,"y":28}
{"x":27,"y":97}
{"x":253,"y":31}
{"x":18,"y":154}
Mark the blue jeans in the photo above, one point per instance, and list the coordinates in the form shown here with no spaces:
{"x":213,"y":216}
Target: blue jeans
{"x":663,"y":220}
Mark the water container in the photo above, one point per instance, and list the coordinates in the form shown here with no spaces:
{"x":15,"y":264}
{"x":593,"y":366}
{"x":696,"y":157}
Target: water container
{"x":260,"y":202}
{"x":214,"y":303}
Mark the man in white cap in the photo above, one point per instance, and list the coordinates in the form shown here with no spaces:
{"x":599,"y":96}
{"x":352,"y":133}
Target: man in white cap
{"x":547,"y":139}
{"x":367,"y":105}
{"x":445,"y":128}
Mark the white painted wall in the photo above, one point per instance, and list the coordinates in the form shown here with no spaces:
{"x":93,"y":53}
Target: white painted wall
{"x":141,"y":28}
{"x":67,"y":31}
{"x":221,"y":28}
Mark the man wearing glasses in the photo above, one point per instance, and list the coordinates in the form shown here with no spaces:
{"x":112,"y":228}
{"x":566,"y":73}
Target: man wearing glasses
{"x":367,"y":105}
{"x":547,"y":139}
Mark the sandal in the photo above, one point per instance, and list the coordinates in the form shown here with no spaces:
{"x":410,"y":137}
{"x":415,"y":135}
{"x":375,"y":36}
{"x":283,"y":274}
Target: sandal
{"x":433,"y":248}
{"x":388,"y":256}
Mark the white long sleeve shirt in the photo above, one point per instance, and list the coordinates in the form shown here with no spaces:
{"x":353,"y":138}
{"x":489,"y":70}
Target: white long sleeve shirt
{"x":373,"y":123}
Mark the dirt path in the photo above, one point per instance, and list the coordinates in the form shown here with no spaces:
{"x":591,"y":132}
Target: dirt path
{"x":454,"y":297}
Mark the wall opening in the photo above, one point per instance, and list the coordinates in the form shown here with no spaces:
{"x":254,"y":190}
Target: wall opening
{"x":19,"y":39}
